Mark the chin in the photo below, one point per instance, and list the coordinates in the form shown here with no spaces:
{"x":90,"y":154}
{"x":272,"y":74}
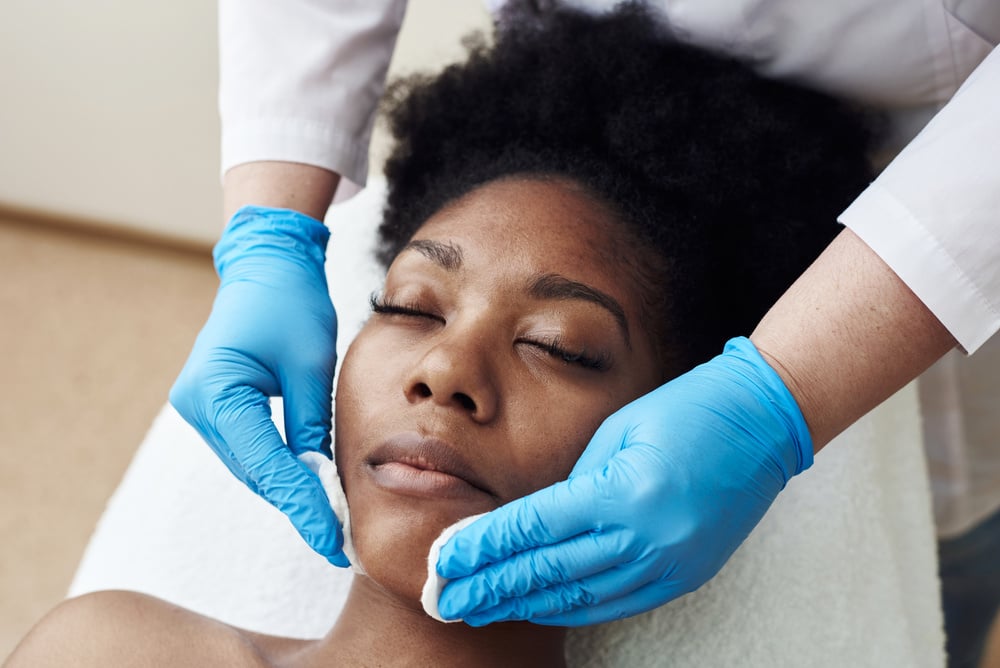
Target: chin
{"x":393,"y":527}
{"x":393,"y":539}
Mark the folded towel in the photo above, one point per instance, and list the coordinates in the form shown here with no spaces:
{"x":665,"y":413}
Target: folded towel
{"x":840,"y":572}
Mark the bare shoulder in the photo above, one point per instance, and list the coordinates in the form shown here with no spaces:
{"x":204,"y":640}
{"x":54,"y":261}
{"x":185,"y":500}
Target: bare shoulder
{"x":123,"y":628}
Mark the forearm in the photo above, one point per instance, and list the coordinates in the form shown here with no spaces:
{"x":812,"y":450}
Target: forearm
{"x":281,"y":185}
{"x":847,"y":335}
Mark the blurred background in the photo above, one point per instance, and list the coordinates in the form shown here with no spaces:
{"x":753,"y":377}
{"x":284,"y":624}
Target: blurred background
{"x":109,"y":204}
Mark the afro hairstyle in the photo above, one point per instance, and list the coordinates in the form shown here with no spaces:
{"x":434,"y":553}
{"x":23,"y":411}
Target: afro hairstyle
{"x":729,"y":183}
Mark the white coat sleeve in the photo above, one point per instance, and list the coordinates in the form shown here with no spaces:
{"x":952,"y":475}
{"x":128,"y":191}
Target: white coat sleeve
{"x":300,"y":79}
{"x":933,"y":215}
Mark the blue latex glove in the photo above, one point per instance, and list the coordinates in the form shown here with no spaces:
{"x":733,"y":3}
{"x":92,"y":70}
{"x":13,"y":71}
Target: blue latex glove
{"x":272,"y":332}
{"x":667,"y":489}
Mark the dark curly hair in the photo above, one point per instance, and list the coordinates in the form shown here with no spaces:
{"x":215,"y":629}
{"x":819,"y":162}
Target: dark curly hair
{"x":728,"y":182}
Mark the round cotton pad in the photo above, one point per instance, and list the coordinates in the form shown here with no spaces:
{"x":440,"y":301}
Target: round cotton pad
{"x":326,"y":470}
{"x":435,"y":583}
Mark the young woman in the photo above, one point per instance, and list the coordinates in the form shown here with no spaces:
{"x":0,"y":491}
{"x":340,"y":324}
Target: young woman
{"x":566,"y":229}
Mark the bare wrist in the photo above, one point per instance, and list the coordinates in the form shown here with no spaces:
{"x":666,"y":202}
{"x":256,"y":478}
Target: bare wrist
{"x":283,"y":185}
{"x":846,"y":336}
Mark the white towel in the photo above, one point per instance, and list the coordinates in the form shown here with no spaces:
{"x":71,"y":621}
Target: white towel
{"x":841,"y":571}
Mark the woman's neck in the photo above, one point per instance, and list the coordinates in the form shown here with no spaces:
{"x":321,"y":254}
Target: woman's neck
{"x":375,"y":628}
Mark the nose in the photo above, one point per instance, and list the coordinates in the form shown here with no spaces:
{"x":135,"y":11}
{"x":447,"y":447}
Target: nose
{"x":454,"y":373}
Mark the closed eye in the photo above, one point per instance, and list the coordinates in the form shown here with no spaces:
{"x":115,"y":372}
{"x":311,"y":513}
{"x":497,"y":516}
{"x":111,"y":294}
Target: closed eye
{"x":556,"y":348}
{"x":384,"y":306}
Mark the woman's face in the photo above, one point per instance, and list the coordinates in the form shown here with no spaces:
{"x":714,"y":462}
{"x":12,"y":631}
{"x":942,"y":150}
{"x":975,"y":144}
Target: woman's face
{"x":508,"y":330}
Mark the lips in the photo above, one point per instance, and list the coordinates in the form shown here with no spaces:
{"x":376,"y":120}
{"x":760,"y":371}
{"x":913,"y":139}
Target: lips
{"x":415,"y":465}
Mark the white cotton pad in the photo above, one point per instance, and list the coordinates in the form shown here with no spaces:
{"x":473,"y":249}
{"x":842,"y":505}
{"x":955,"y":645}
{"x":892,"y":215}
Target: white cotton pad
{"x":435,"y":583}
{"x":326,"y":470}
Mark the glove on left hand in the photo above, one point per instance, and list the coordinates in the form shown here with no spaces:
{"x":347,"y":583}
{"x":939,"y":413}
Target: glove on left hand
{"x":272,"y":332}
{"x":665,"y":492}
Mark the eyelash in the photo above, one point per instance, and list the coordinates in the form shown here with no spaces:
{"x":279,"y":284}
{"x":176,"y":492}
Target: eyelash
{"x":383,"y":306}
{"x":553,"y":346}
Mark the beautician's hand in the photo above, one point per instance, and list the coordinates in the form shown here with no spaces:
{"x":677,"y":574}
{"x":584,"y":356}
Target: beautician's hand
{"x":272,"y":332}
{"x":668,"y":488}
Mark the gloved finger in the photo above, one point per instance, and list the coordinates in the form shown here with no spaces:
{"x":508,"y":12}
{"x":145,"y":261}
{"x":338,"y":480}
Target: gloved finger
{"x":189,"y":404}
{"x":574,"y":559}
{"x":548,"y":516}
{"x":308,"y":407}
{"x":245,"y":422}
{"x":599,"y":591}
{"x":228,"y":457}
{"x":636,"y":602}
{"x":291,"y":488}
{"x":339,"y":558}
{"x":296,"y":492}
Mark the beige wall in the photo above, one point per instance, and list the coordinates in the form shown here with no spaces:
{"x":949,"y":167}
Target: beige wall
{"x":108,"y":109}
{"x":108,"y":112}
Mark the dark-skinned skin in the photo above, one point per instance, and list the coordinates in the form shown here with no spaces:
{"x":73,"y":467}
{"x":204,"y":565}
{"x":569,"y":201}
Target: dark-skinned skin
{"x":513,"y":377}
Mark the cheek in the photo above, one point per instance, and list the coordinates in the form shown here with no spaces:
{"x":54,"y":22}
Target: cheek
{"x":544,"y":451}
{"x":392,"y":534}
{"x":366,"y":386}
{"x":361,"y":395}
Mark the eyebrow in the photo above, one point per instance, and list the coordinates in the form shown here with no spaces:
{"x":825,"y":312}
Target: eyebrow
{"x":446,"y":255}
{"x":554,"y":286}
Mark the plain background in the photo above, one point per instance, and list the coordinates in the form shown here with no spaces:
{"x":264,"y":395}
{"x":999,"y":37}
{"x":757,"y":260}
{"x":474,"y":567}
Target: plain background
{"x":109,"y":202}
{"x":109,"y":108}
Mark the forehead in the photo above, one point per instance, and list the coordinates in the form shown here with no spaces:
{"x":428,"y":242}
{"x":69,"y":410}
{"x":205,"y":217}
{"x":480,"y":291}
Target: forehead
{"x":536,"y":225}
